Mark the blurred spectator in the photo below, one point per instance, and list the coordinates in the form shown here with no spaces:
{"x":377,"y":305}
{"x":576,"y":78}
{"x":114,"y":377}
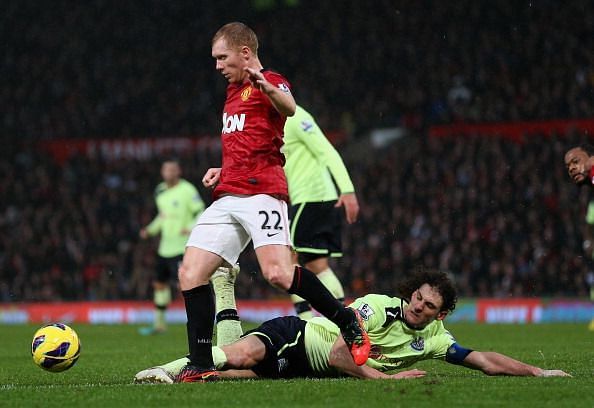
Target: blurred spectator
{"x":497,"y":214}
{"x":113,"y":68}
{"x":500,"y":216}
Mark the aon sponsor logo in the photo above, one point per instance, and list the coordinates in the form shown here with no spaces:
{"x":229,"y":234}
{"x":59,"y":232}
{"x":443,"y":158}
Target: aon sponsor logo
{"x":233,"y":123}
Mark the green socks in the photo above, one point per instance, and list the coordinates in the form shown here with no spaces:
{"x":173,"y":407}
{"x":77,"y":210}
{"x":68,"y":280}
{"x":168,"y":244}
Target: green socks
{"x":174,"y":367}
{"x":227,"y":320}
{"x":162,"y":299}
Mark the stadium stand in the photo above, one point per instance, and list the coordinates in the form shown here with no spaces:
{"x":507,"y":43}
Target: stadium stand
{"x":106,"y":68}
{"x":499,"y":215}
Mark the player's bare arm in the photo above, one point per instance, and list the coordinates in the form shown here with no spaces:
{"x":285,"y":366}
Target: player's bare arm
{"x":351,"y":206}
{"x":341,"y":359}
{"x":492,"y":363}
{"x":211,"y":177}
{"x":282,"y":101}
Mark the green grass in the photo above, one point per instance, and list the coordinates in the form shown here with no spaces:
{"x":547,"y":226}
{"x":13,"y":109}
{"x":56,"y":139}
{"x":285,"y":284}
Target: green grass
{"x":111,"y":355}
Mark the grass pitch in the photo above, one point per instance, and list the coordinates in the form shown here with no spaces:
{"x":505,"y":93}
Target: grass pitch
{"x":111,"y":355}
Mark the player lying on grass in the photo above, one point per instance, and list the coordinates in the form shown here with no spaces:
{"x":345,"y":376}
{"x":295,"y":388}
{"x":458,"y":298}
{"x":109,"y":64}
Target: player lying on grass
{"x":402,"y":331}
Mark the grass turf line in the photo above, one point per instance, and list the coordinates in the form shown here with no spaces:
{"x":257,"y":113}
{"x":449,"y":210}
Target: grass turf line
{"x":111,"y":355}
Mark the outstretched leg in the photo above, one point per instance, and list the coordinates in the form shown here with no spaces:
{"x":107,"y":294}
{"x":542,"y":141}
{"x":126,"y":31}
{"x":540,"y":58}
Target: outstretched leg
{"x":236,"y":359}
{"x":277,"y":268}
{"x":325,"y":274}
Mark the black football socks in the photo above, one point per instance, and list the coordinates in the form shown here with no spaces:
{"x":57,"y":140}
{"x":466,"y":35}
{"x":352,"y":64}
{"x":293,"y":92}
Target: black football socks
{"x":307,"y":285}
{"x":200,"y":310}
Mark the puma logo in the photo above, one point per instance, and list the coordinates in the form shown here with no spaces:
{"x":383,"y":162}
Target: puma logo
{"x":392,"y":314}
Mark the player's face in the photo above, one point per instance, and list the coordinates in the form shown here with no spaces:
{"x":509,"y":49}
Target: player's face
{"x":424,"y":307}
{"x":577,"y":164}
{"x":230,"y":62}
{"x":170,"y":172}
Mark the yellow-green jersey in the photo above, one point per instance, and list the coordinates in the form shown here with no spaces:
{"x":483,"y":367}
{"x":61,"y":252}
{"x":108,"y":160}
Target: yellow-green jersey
{"x":394,"y":345}
{"x":178,"y":208}
{"x":312,"y":162}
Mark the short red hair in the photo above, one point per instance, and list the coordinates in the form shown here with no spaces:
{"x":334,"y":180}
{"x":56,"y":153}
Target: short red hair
{"x":237,"y":35}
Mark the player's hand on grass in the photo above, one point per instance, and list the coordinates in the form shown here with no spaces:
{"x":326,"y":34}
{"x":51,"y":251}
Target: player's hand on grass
{"x":408,"y":374}
{"x":211,"y":177}
{"x":351,"y":206}
{"x":143,"y":233}
{"x":554,"y":373}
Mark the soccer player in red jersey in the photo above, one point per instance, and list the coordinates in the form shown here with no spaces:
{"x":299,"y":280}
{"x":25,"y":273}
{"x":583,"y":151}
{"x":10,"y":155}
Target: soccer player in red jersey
{"x":250,"y":203}
{"x":579,"y":162}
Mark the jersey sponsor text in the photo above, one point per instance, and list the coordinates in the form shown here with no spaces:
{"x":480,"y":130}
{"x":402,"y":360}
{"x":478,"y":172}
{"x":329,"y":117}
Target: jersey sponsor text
{"x":233,"y":123}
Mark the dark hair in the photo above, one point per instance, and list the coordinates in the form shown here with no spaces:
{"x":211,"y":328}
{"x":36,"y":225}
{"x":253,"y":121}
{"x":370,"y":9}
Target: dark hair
{"x":586,"y":147}
{"x":438,"y":280}
{"x":171,"y":159}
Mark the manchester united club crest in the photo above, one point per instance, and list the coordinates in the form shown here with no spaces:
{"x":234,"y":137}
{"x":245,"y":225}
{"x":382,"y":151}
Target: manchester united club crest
{"x":245,"y":94}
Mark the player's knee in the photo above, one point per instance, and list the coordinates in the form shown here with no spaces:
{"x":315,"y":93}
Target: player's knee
{"x":235,"y":358}
{"x":191,"y":275}
{"x":182,"y":271}
{"x":251,"y":359}
{"x":277,"y":276}
{"x":240,"y":356}
{"x":186,"y":274}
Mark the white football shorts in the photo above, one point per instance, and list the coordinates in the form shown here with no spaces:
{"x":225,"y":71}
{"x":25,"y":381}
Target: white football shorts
{"x":227,"y":225}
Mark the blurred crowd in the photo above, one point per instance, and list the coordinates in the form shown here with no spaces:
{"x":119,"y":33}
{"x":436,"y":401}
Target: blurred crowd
{"x":501,"y":216}
{"x":71,"y":231}
{"x":110,"y":68}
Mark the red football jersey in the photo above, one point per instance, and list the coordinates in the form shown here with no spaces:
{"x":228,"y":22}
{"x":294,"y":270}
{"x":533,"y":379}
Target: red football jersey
{"x":252,"y":137}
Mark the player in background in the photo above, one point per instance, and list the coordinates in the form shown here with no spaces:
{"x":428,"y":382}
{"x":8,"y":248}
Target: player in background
{"x":249,"y":203}
{"x":403,"y":331}
{"x":579,"y":161}
{"x":178,"y":204}
{"x":313,"y":167}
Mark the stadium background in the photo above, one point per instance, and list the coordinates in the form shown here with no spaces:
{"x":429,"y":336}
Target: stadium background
{"x":95,"y":94}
